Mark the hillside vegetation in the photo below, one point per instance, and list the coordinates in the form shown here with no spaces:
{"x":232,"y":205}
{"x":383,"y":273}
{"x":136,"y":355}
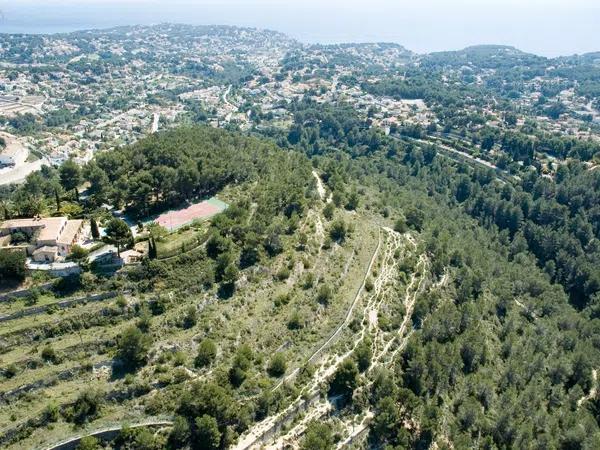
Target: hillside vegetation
{"x":409,"y":254}
{"x":372,"y":284}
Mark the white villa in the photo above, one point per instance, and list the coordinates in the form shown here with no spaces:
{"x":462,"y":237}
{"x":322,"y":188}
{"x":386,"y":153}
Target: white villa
{"x":49,"y":239}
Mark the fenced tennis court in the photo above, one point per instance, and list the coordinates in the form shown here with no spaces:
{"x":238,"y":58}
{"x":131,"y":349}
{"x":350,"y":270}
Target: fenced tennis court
{"x":172,"y":220}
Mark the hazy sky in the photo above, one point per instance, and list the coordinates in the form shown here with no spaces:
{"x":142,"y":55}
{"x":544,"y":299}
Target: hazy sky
{"x":548,"y":27}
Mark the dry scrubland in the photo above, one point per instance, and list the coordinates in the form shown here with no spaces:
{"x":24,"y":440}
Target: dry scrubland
{"x":259,"y":314}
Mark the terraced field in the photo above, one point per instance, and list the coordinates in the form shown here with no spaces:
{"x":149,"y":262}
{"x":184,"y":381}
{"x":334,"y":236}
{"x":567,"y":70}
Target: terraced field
{"x":64,"y":348}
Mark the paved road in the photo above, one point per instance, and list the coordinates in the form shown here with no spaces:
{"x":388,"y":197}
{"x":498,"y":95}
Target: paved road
{"x":502,"y":175}
{"x":482,"y":162}
{"x":225,"y":97}
{"x":20,"y":153}
{"x":18,"y":174}
{"x":108,"y":432}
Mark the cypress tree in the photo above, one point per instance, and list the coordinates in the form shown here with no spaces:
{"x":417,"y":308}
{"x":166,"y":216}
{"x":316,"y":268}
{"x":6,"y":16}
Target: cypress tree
{"x":152,"y":253}
{"x":57,"y":198}
{"x":94,"y":227}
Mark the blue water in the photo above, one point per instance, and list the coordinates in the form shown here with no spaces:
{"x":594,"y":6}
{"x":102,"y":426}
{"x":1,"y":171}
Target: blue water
{"x":557,"y":28}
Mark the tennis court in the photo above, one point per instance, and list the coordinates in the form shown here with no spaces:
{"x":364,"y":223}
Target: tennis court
{"x":175,"y":219}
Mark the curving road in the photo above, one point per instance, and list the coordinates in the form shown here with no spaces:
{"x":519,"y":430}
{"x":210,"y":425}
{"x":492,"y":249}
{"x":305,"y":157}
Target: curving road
{"x":107,"y":433}
{"x":22,"y":168}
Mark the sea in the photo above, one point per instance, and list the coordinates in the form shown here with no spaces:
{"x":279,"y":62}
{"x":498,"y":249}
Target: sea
{"x":557,"y":28}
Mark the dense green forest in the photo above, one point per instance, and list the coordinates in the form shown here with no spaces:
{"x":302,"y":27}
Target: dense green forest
{"x":501,"y":357}
{"x":174,"y":167}
{"x":556,"y":221}
{"x":503,"y":360}
{"x":479,"y":363}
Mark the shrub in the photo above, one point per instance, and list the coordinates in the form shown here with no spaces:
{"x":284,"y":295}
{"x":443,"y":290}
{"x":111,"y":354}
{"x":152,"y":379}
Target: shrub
{"x":18,"y":238}
{"x":88,"y":443}
{"x":180,"y":375}
{"x":309,"y":281}
{"x":241,"y":365}
{"x":51,"y":413}
{"x":207,"y":353}
{"x":179,"y":359}
{"x":132,"y":347}
{"x":207,"y":432}
{"x":328,"y":211}
{"x":352,"y":201}
{"x":33,"y":296}
{"x":11,"y":371}
{"x":121,"y":301}
{"x":49,"y":355}
{"x":302,"y":241}
{"x":318,"y":436}
{"x":180,"y":433}
{"x":191,"y":317}
{"x":140,"y":438}
{"x":400,"y":225}
{"x":237,"y":376}
{"x":277,"y":366}
{"x":415,"y":218}
{"x":272,"y":244}
{"x":338,"y":231}
{"x":282,"y":300}
{"x":86,"y":407}
{"x":283,"y":274}
{"x":325,"y":294}
{"x":345,"y":379}
{"x":362,"y":355}
{"x":144,"y":317}
{"x":295,"y":322}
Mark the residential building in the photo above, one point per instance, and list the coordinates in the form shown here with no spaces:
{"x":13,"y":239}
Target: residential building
{"x":46,"y":239}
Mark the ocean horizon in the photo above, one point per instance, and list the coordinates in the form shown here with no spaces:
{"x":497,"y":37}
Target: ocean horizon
{"x":416,"y":29}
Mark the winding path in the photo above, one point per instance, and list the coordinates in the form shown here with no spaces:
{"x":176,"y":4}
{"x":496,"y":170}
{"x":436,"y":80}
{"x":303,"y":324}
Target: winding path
{"x":261,"y":429}
{"x":317,"y":353}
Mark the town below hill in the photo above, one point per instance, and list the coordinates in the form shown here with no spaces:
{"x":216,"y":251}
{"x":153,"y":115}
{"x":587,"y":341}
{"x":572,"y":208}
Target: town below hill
{"x":217,"y":237}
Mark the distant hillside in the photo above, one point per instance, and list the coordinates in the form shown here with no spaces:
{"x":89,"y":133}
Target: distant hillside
{"x":485,"y":57}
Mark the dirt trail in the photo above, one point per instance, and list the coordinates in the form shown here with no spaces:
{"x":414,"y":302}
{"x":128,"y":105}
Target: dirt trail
{"x":327,"y":368}
{"x":354,"y":430}
{"x":321,"y":188}
{"x":412,"y":291}
{"x":382,"y":357}
{"x":319,"y":228}
{"x":593,"y":390}
{"x":384,"y":281}
{"x":346,"y":321}
{"x":73,"y":441}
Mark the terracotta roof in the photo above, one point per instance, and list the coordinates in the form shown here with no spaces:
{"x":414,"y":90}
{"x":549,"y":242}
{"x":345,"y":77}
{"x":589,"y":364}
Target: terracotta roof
{"x":17,"y":223}
{"x":57,"y":229}
{"x":70,"y":232}
{"x":46,"y":249}
{"x":49,"y":227}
